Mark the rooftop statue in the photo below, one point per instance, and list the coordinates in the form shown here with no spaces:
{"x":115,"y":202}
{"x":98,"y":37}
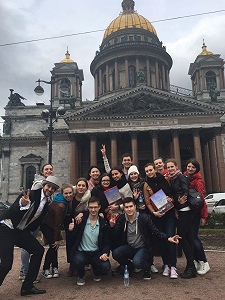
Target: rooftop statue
{"x":15,"y":99}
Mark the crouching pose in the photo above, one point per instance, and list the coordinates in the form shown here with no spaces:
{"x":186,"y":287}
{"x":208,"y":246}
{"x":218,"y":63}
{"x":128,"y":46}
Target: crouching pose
{"x":91,"y":243}
{"x":136,"y":230}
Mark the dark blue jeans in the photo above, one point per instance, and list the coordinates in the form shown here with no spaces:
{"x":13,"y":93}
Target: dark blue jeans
{"x":82,"y":258}
{"x":140,"y":256}
{"x":51,"y":256}
{"x":199,"y":253}
{"x":167,"y":224}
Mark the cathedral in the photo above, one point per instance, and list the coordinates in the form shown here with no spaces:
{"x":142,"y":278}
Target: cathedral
{"x":135,"y":109}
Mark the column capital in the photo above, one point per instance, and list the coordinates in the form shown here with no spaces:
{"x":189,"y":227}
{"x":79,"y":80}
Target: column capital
{"x":217,"y":130}
{"x":154,"y":134}
{"x":175,"y":132}
{"x":113,"y":135}
{"x":92,"y":136}
{"x":196,"y":131}
{"x":73,"y":137}
{"x":133,"y":134}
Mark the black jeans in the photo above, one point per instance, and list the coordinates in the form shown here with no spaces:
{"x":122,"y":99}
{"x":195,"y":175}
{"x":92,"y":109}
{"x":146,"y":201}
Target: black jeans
{"x":185,"y":228}
{"x":23,"y":239}
{"x":51,"y":256}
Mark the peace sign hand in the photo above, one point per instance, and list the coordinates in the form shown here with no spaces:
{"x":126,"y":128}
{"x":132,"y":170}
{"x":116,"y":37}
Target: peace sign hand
{"x":25,"y":199}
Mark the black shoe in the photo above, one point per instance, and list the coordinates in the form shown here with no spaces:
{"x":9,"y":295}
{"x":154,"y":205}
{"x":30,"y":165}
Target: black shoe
{"x":147,"y":275}
{"x":189,"y":272}
{"x":32,"y":291}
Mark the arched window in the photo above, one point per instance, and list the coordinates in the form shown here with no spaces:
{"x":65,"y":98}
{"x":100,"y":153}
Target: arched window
{"x":210,"y":80}
{"x":68,"y":83}
{"x":132,"y":76}
{"x":30,"y":172}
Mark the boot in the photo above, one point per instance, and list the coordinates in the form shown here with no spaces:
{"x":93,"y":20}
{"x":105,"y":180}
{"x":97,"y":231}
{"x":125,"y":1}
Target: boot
{"x":189,"y":272}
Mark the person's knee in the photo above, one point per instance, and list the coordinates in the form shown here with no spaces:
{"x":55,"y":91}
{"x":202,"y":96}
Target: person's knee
{"x":105,"y":267}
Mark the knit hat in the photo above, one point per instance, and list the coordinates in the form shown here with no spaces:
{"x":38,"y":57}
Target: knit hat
{"x":133,"y":168}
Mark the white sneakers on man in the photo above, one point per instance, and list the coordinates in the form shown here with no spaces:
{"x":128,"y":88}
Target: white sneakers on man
{"x":203,"y":268}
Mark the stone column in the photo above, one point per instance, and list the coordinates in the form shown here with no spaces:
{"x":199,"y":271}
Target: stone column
{"x":137,"y":65}
{"x":93,"y":153}
{"x":73,"y":158}
{"x":207,"y":166}
{"x":148,"y":72}
{"x":176,"y":147}
{"x":22,"y":176}
{"x":163,"y":77}
{"x":168,"y":79}
{"x":96,"y":85}
{"x":197,"y":149}
{"x":116,"y":76}
{"x":126,"y":73}
{"x":100,"y":82}
{"x":220,"y":159}
{"x":157,"y":74}
{"x":134,"y":147}
{"x":197,"y":82}
{"x":114,"y":159}
{"x":107,"y":77}
{"x":155,"y":147}
{"x":213,"y":163}
{"x":203,"y":80}
{"x":221,"y":80}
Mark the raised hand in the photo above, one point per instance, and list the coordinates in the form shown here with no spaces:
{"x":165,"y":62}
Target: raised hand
{"x":25,"y":199}
{"x":71,"y":225}
{"x":103,"y":150}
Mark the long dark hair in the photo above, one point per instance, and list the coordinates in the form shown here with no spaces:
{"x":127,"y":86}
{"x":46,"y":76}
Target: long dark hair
{"x":89,"y":171}
{"x":194,"y":162}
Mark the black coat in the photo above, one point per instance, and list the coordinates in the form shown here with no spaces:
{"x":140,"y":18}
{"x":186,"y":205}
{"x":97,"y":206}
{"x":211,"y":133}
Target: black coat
{"x":15,"y":214}
{"x":145,"y":227}
{"x":103,"y":238}
{"x":98,"y":192}
{"x":180,"y":187}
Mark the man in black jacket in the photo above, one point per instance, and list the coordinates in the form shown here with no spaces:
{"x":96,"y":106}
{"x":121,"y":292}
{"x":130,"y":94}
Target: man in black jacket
{"x":25,"y":215}
{"x":91,"y":243}
{"x":136,"y":230}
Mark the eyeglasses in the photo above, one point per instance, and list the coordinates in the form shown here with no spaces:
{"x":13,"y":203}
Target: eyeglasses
{"x":93,"y":207}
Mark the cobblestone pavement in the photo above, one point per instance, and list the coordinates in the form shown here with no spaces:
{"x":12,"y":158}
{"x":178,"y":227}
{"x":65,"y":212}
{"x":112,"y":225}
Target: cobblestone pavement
{"x":210,"y":286}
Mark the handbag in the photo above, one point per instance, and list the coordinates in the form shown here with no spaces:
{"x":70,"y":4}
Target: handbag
{"x":195,"y":200}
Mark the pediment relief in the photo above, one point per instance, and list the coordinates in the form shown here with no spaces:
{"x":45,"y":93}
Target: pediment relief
{"x":144,"y":101}
{"x":143,"y":105}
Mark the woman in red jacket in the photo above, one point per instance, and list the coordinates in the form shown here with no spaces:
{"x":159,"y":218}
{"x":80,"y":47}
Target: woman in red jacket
{"x":197,"y":183}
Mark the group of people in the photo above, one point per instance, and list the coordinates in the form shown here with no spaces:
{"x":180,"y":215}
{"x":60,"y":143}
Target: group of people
{"x":94,"y":227}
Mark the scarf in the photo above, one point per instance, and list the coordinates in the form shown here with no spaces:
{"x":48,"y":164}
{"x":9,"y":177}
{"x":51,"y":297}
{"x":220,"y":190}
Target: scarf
{"x":159,"y":182}
{"x":178,"y":172}
{"x":120,"y":183}
{"x":60,"y":199}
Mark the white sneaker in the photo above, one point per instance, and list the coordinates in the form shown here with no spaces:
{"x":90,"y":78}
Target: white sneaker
{"x":55,"y":273}
{"x":154,"y":269}
{"x":203,"y":268}
{"x":47,"y":274}
{"x":166,"y":271}
{"x":173,"y":273}
{"x":197,"y":265}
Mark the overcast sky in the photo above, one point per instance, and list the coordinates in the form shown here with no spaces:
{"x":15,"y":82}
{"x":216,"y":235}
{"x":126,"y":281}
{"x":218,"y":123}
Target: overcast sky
{"x":22,"y":20}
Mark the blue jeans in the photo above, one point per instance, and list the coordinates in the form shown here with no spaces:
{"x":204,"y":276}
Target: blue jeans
{"x":199,"y":253}
{"x":82,"y":258}
{"x":25,"y":256}
{"x":140,"y":256}
{"x":167,"y":224}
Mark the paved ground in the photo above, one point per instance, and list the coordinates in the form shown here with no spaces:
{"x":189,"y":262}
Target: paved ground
{"x":208,"y":287}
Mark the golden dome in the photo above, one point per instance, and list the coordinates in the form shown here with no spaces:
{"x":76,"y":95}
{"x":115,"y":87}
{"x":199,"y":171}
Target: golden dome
{"x":129,"y":19}
{"x":67,"y":59}
{"x":204,"y":50}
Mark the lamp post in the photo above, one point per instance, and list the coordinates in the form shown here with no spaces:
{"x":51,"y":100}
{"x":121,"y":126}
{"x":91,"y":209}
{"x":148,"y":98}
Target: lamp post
{"x":50,"y":114}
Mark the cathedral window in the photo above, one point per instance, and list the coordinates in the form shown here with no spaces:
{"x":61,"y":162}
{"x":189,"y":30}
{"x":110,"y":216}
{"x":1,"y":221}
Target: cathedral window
{"x":68,"y":83}
{"x":30,"y":172}
{"x":210,"y":80}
